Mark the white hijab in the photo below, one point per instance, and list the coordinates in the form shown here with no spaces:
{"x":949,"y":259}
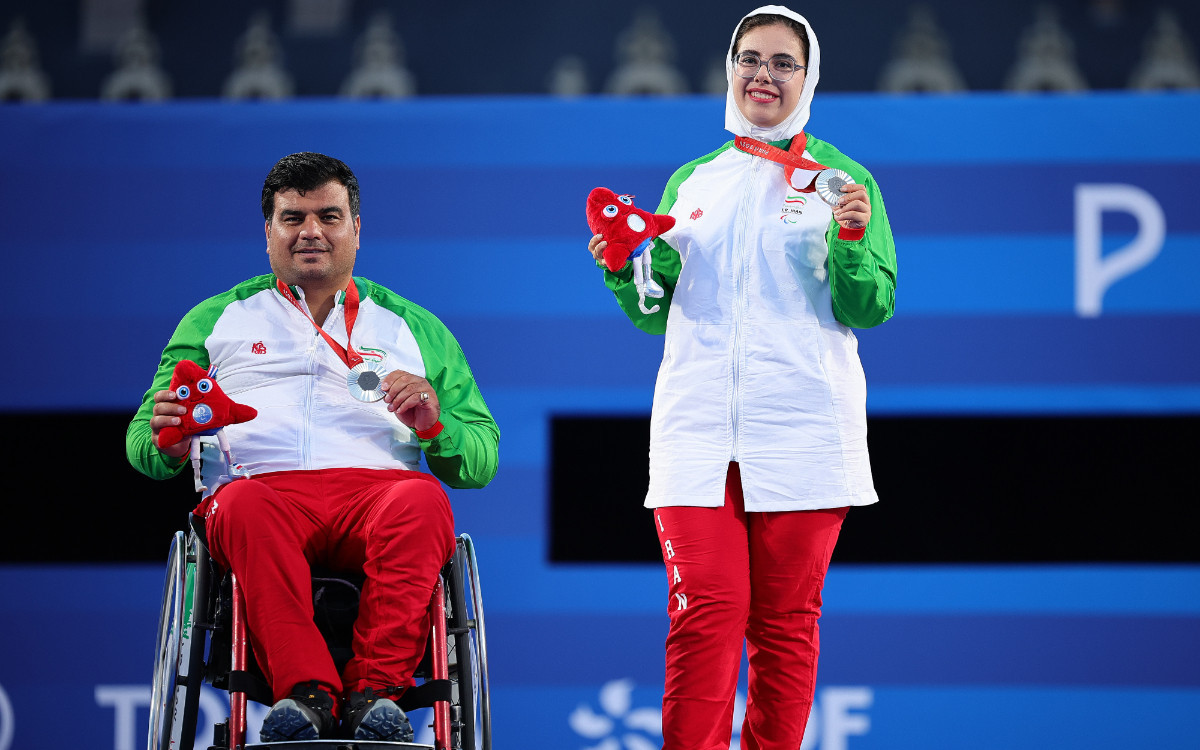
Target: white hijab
{"x":736,"y":122}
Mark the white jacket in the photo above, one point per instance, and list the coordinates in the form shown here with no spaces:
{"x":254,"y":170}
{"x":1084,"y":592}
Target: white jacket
{"x":757,"y":368}
{"x":269,"y":356}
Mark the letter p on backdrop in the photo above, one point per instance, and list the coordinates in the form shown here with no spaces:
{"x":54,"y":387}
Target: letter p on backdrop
{"x":1096,"y":272}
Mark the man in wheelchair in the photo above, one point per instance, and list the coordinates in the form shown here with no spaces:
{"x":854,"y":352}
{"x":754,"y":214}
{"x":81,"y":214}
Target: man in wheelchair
{"x":327,"y":473}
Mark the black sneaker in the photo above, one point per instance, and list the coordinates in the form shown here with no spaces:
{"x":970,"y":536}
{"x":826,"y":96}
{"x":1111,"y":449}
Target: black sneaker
{"x":306,"y":715}
{"x":373,"y":717}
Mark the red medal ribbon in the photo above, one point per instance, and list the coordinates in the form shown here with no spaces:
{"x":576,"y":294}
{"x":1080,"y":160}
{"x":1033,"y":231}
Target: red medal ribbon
{"x":792,"y":159}
{"x":347,"y":353}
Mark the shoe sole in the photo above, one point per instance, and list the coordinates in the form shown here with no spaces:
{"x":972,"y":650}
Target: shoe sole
{"x":383,"y":722}
{"x":287,"y":722}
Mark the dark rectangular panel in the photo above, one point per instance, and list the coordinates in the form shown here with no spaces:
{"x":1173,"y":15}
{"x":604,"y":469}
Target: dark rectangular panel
{"x":952,"y":489}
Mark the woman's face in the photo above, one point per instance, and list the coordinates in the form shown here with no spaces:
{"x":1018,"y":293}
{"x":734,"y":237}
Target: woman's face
{"x":762,"y":100}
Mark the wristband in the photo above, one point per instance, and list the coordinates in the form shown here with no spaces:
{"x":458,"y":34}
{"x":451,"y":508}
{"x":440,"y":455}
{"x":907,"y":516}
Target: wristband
{"x":432,"y":432}
{"x":851,"y":235}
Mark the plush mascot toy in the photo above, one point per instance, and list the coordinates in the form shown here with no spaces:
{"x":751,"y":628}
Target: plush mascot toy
{"x":208,"y":411}
{"x":628,"y":232}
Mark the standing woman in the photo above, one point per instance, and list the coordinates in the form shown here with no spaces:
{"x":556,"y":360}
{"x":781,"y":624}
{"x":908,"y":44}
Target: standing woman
{"x":758,"y":435}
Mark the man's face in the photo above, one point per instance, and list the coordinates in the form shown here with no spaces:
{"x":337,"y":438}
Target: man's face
{"x":311,"y":238}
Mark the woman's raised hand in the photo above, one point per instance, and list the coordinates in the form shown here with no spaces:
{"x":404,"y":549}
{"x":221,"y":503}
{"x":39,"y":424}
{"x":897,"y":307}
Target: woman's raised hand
{"x":596,"y":247}
{"x":854,"y":210}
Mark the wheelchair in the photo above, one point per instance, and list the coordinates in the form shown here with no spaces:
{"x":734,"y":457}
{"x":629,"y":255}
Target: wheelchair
{"x":202,"y":638}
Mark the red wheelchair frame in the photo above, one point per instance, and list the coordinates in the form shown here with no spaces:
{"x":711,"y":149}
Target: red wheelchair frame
{"x":195,"y":614}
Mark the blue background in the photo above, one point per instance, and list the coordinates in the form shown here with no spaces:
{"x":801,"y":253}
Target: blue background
{"x":121,"y":218}
{"x":125,"y":217}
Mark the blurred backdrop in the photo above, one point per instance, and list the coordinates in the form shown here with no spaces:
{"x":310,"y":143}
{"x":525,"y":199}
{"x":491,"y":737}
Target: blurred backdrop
{"x":1031,"y":576}
{"x":278,"y":49}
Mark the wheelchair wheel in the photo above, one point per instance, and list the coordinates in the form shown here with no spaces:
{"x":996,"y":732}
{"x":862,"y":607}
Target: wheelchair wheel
{"x":469,"y":651}
{"x":179,"y":657}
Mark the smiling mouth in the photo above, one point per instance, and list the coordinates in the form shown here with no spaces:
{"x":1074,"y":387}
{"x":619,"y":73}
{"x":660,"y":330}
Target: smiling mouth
{"x":762,"y":96}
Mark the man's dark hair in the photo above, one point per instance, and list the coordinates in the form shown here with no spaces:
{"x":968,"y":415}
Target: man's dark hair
{"x":307,"y":171}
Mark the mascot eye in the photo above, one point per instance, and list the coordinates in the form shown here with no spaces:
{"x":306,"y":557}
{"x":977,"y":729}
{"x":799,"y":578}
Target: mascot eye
{"x":204,"y":385}
{"x":183,"y":391}
{"x":610,"y":210}
{"x":627,"y":200}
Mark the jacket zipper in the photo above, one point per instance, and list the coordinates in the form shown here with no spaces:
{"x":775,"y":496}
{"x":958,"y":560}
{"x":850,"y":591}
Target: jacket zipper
{"x":305,"y":423}
{"x":315,"y":343}
{"x":739,"y":293}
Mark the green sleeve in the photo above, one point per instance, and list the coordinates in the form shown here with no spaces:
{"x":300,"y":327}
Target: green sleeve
{"x":186,"y":343}
{"x":665,"y":270}
{"x":466,"y":453}
{"x":862,"y":272}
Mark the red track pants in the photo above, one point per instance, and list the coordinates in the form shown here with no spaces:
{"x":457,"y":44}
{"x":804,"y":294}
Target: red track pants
{"x":395,"y":526}
{"x":738,"y":577}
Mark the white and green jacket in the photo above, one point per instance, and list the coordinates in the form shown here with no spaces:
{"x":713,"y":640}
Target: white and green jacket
{"x":760,"y":365}
{"x":271,"y":357}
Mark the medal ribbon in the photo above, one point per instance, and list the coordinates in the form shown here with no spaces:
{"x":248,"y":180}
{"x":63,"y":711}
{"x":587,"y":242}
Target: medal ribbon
{"x":792,"y":159}
{"x":347,"y":353}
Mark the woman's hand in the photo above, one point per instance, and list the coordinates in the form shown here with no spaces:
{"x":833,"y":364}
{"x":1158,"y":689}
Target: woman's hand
{"x":596,"y":247}
{"x":854,"y":210}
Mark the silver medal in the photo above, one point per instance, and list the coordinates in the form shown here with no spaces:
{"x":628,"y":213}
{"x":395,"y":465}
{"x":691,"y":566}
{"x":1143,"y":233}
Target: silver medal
{"x":829,"y":185}
{"x":365,"y":380}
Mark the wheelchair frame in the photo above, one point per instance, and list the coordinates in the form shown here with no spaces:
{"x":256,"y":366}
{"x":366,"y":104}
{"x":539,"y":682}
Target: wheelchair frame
{"x":454,"y":669}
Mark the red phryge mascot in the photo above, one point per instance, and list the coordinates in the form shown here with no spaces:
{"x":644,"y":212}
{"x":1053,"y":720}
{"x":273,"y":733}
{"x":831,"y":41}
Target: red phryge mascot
{"x":628,"y":232}
{"x":208,"y":411}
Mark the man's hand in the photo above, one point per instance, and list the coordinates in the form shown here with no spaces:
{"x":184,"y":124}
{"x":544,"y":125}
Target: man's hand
{"x":167,"y":413}
{"x":412,"y":399}
{"x":854,"y":210}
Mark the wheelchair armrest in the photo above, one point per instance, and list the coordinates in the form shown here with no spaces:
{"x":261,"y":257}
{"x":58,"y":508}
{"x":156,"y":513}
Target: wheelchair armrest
{"x":196,"y":524}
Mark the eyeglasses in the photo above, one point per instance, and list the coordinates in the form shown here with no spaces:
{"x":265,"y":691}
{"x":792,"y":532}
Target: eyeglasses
{"x":780,"y":67}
